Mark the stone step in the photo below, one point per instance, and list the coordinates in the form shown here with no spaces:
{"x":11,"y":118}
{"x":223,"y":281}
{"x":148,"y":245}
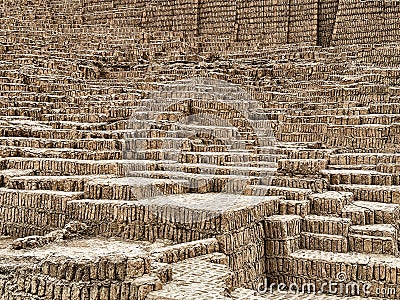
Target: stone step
{"x":362,"y":177}
{"x":88,"y":144}
{"x":364,"y":131}
{"x":294,"y":207}
{"x":385,"y":108}
{"x":323,"y":242}
{"x":373,"y":244}
{"x":369,"y":213}
{"x":73,"y":125}
{"x":298,"y":137}
{"x":230,"y":169}
{"x":353,"y":167}
{"x":347,"y":120}
{"x":227,"y":135}
{"x":198,"y":117}
{"x":33,"y":212}
{"x":80,"y":117}
{"x":5,"y":175}
{"x":157,"y":143}
{"x":204,"y":183}
{"x":132,"y":188}
{"x":289,"y":193}
{"x":363,"y":158}
{"x":209,"y":157}
{"x":326,"y":225}
{"x":305,"y":153}
{"x":55,"y":183}
{"x":378,"y":230}
{"x":47,"y":132}
{"x":14,"y":295}
{"x":314,"y":184}
{"x":257,"y":164}
{"x":72,"y":167}
{"x":33,"y":112}
{"x":205,"y":215}
{"x":141,"y":286}
{"x":393,"y":168}
{"x":38,"y":198}
{"x":67,"y":153}
{"x":329,"y":203}
{"x":92,"y":114}
{"x":146,"y":129}
{"x":386,"y":119}
{"x":306,"y":127}
{"x":141,"y":144}
{"x":184,"y":97}
{"x":301,"y":146}
{"x":372,"y":193}
{"x":92,"y":106}
{"x":301,"y":166}
{"x":198,"y":144}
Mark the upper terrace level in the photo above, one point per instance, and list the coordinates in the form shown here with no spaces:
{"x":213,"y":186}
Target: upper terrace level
{"x":316,"y":22}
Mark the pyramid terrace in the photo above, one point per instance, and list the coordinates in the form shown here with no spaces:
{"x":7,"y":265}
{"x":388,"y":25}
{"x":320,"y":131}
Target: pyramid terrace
{"x":199,"y":149}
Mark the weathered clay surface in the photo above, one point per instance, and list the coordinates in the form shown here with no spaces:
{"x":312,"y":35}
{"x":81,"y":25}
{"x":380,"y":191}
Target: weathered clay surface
{"x":198,"y":149}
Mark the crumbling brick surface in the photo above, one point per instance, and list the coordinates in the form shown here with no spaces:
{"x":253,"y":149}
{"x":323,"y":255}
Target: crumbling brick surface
{"x":118,"y":128}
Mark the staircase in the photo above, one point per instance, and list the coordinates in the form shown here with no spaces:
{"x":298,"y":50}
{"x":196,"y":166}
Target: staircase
{"x":292,"y":167}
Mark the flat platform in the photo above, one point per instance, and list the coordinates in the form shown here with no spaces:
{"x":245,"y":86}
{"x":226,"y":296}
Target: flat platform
{"x":214,"y":202}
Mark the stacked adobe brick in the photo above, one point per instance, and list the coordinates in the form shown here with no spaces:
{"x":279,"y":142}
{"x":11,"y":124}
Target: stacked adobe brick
{"x":72,"y":74}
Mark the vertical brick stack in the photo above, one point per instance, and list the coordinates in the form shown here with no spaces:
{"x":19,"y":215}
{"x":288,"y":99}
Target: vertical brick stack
{"x":245,"y":246}
{"x":303,"y":22}
{"x":218,"y":18}
{"x":327,"y":10}
{"x":251,"y":20}
{"x":276,"y":21}
{"x":366,"y":22}
{"x":179,"y":16}
{"x":261,"y":20}
{"x":33,"y":212}
{"x":282,"y":237}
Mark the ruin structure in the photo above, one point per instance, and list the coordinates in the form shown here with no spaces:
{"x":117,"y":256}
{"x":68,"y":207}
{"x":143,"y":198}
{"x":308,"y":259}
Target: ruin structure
{"x":199,"y":149}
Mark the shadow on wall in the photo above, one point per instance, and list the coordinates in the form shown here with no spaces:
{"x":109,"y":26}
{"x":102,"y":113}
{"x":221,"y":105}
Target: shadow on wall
{"x":273,"y":22}
{"x":270,"y":21}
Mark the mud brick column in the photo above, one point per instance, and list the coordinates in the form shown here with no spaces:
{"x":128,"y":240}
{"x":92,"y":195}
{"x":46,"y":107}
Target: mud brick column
{"x":242,"y":240}
{"x":180,"y":17}
{"x":327,"y":10}
{"x":250,"y":19}
{"x":282,"y":237}
{"x":302,"y":23}
{"x":245,"y":250}
{"x":366,"y":22}
{"x":217,"y":18}
{"x":274,"y":15}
